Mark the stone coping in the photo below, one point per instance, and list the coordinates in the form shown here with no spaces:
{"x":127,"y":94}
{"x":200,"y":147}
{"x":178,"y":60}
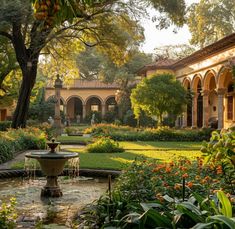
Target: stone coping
{"x":10,"y":173}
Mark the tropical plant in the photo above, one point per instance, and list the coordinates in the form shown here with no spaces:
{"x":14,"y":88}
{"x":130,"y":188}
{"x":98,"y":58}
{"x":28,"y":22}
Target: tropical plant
{"x":219,"y":151}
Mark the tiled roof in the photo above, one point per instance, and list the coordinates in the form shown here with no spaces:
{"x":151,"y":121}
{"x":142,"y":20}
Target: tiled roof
{"x":160,"y":64}
{"x":220,"y":45}
{"x":90,"y":84}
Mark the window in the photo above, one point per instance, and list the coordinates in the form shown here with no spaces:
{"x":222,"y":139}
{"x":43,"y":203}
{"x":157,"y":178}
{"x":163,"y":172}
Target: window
{"x":94,"y":107}
{"x":230,"y":108}
{"x":111,"y":107}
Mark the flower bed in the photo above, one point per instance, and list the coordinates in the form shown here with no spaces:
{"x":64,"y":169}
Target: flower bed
{"x":13,"y":141}
{"x":126,"y":133}
{"x":178,"y":194}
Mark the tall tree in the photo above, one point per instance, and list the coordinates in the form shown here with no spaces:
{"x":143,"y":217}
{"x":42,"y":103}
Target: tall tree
{"x":31,"y":27}
{"x":159,"y":95}
{"x":210,"y":20}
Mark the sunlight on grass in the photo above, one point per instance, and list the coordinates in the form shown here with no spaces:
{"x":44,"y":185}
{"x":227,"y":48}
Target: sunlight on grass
{"x":121,"y":160}
{"x":160,"y":145}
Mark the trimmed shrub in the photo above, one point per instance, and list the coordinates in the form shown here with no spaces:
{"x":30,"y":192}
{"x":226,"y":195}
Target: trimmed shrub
{"x":105,"y":145}
{"x":126,"y":133}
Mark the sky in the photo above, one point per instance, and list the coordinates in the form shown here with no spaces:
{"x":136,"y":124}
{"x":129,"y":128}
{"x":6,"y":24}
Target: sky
{"x":155,"y":38}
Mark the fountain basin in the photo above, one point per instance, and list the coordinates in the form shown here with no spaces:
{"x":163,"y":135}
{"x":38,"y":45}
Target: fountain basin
{"x":52,"y":164}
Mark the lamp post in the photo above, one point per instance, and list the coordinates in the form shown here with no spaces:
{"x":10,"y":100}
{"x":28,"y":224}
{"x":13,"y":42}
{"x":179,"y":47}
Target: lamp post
{"x":58,"y":85}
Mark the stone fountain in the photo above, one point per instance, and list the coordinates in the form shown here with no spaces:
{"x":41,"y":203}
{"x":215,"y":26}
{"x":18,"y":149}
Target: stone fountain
{"x":52,"y":164}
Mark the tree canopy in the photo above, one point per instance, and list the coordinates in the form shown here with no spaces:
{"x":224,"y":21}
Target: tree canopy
{"x":159,"y":95}
{"x":210,"y":20}
{"x":41,"y":26}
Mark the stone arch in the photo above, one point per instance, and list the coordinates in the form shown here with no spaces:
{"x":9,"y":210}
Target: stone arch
{"x":74,"y":106}
{"x":110,"y":103}
{"x":196,"y":80}
{"x":224,"y":77}
{"x":188,"y":114}
{"x":198,"y":100}
{"x":186,"y":83}
{"x":52,"y":97}
{"x":94,"y":96}
{"x":75,"y":96}
{"x":94,"y":103}
{"x":209,"y":80}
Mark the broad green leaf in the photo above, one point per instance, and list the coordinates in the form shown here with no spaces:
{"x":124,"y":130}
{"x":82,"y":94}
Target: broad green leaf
{"x":203,"y":225}
{"x":223,"y":219}
{"x":225,"y":208}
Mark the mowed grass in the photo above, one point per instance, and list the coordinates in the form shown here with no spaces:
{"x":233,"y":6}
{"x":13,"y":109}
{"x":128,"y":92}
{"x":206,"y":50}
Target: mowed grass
{"x":161,"y":151}
{"x":139,"y":145}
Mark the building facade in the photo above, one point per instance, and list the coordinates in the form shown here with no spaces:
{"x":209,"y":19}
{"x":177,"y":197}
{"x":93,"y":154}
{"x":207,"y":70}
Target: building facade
{"x":83,"y":97}
{"x":208,"y":74}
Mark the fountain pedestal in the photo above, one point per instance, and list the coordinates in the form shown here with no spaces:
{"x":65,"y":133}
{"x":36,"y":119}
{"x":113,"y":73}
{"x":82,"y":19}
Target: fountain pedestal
{"x":51,"y":189}
{"x":52,"y":165}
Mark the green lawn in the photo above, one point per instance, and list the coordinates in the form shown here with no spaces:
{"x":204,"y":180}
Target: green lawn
{"x":138,"y":145}
{"x":162,"y":151}
{"x":121,"y":160}
{"x":73,"y":139}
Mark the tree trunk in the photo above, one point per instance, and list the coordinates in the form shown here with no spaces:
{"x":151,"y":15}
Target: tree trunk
{"x":22,"y":108}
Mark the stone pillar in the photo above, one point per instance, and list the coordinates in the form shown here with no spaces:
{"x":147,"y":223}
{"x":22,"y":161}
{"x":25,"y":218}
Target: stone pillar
{"x":194,"y":110}
{"x":221,"y":93}
{"x":102,"y":110}
{"x":184,"y":120}
{"x":58,"y":85}
{"x":83,"y":112}
{"x":205,"y":95}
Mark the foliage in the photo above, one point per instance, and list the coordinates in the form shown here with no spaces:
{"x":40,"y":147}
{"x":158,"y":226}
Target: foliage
{"x":110,"y":25}
{"x":8,"y":215}
{"x":104,"y":145}
{"x":169,"y":96}
{"x":13,"y":141}
{"x":4,"y":125}
{"x":129,"y":119}
{"x":98,"y":117}
{"x":127,"y":133}
{"x":220,"y":152}
{"x":40,"y":109}
{"x":110,"y":116}
{"x":173,"y":52}
{"x":210,"y":21}
{"x":142,"y":199}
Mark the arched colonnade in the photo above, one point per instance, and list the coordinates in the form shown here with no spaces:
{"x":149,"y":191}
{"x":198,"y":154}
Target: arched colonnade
{"x":211,"y":99}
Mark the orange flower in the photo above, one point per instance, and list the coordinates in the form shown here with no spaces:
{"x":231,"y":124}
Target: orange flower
{"x":168,"y":169}
{"x":185,"y":175}
{"x":177,"y":186}
{"x":219,"y":169}
{"x":207,"y":178}
{"x":189,"y":184}
{"x":197,"y":177}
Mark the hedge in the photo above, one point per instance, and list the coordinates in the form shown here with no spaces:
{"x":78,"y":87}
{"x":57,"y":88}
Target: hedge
{"x":13,"y":141}
{"x":124,"y":133}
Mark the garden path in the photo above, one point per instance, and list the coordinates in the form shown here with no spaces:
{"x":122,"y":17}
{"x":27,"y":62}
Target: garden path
{"x":21,"y":156}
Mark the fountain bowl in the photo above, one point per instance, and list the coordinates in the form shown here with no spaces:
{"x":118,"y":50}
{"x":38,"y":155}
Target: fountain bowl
{"x":52,"y":164}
